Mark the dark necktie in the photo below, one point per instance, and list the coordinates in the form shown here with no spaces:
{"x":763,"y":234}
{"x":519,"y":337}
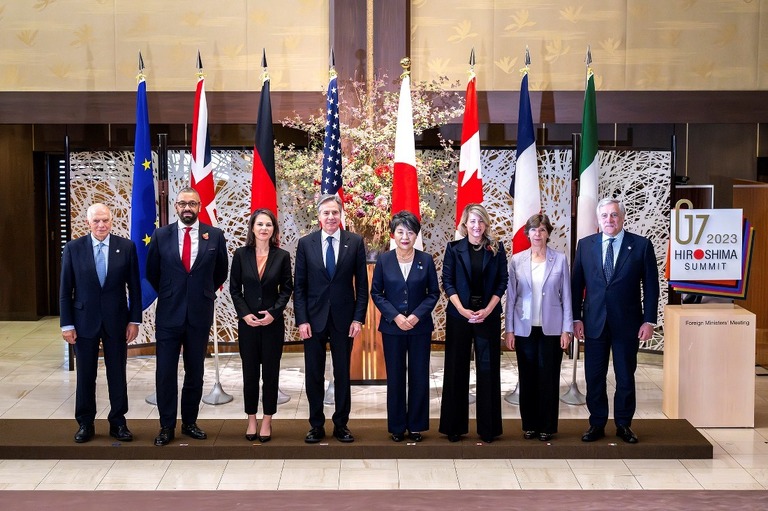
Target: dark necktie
{"x":608,"y":263}
{"x":101,"y":264}
{"x":186,"y":250}
{"x":330,"y":258}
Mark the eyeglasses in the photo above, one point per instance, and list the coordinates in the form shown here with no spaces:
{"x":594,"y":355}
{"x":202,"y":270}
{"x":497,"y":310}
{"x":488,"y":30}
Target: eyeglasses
{"x":183,"y":204}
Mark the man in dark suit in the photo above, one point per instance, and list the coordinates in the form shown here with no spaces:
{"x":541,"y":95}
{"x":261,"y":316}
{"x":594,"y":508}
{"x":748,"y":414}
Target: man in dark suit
{"x":330,"y":301}
{"x":186,"y":264}
{"x":615,"y":293}
{"x":96,"y":272}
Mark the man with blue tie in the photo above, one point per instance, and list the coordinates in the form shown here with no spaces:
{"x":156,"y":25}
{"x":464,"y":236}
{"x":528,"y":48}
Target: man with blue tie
{"x":186,"y":264}
{"x":330,"y":300}
{"x":100,"y":303}
{"x":615,"y":294}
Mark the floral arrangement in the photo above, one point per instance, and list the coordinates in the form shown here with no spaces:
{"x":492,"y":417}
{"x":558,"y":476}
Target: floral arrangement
{"x":368,"y":117}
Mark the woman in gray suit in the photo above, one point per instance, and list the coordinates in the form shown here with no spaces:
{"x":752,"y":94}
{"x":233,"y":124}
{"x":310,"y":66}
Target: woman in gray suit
{"x":261,"y":284}
{"x":539,"y":323}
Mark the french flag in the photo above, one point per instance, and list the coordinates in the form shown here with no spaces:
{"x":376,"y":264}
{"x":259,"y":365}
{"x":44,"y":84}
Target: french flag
{"x":525,"y":186}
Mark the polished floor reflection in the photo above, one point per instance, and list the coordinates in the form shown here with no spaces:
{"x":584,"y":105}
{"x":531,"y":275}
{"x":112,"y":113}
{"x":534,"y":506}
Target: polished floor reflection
{"x":35,"y":383}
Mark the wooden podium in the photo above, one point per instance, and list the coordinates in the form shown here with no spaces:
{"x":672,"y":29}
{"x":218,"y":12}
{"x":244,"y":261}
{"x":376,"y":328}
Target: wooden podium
{"x":367,"y":366}
{"x":709,"y":365}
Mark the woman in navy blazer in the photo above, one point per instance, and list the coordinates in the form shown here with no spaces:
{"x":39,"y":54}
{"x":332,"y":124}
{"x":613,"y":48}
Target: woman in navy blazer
{"x":474,"y":279}
{"x":405,"y":290}
{"x":261,"y":284}
{"x":539,"y":323}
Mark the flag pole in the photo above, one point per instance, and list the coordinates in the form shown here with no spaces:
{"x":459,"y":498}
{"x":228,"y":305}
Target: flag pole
{"x":329,"y":398}
{"x":573,"y":396}
{"x":217,"y":396}
{"x":513,"y":396}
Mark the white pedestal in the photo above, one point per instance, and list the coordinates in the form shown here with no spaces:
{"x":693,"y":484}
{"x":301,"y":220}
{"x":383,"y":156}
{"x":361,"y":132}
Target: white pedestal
{"x":709,"y":365}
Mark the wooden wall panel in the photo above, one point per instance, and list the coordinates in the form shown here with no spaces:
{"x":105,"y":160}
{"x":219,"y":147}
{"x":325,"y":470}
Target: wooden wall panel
{"x":19,"y":226}
{"x":752,"y":197}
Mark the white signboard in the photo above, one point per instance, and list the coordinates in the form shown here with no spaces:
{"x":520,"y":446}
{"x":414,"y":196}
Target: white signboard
{"x":705,"y":244}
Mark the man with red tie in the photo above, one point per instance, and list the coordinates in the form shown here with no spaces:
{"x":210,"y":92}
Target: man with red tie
{"x":186,"y":264}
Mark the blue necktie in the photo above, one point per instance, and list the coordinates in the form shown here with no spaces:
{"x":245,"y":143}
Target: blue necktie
{"x":101,"y":264}
{"x":330,"y":258}
{"x":608,"y":263}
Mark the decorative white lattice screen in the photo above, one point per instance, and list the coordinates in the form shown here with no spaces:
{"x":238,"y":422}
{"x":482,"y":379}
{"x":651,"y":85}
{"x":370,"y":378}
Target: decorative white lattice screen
{"x":639,"y":178}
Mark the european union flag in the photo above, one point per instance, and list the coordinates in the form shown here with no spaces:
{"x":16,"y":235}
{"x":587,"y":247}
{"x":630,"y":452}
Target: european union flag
{"x":143,"y":206}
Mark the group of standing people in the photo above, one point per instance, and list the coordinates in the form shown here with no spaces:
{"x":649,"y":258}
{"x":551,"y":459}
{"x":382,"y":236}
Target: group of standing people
{"x":610,"y":298}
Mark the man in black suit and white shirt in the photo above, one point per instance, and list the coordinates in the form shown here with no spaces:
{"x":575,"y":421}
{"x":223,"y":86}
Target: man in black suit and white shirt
{"x":615,"y":294}
{"x":330,"y":301}
{"x":186,"y":264}
{"x":100,"y":302}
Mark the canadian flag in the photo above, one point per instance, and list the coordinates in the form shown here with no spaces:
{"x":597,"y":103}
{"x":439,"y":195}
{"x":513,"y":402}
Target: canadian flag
{"x":469,"y":187}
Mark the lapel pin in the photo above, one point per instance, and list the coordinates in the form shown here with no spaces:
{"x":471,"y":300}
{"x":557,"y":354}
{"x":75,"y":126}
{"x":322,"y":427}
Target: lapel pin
{"x":117,"y":251}
{"x":205,"y":235}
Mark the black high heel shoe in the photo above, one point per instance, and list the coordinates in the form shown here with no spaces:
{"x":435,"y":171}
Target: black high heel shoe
{"x":251,"y":438}
{"x":266,"y":438}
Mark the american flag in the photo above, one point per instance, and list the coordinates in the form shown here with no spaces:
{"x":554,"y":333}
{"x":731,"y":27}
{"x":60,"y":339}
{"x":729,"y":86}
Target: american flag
{"x":331,"y":177}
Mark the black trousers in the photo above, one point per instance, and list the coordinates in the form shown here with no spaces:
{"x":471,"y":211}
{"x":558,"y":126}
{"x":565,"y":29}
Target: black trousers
{"x":597,"y":352}
{"x":460,"y":335}
{"x":170,"y":342}
{"x":261,"y":349}
{"x":407,"y":361}
{"x":87,"y":360}
{"x":314,"y":364}
{"x":539,"y":358}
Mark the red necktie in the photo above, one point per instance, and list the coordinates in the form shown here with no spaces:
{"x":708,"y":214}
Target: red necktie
{"x":186,"y":250}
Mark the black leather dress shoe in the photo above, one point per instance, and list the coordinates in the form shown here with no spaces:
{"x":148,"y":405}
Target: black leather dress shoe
{"x":397,"y":437}
{"x":415,"y":436}
{"x":529,"y":435}
{"x":315,"y":435}
{"x":593,"y":433}
{"x":122,"y":433}
{"x":487,"y":439}
{"x":343,"y":435}
{"x":626,"y":434}
{"x":193,"y":431}
{"x":165,"y":436}
{"x":545,"y":437}
{"x":454,"y":438}
{"x":84,"y":433}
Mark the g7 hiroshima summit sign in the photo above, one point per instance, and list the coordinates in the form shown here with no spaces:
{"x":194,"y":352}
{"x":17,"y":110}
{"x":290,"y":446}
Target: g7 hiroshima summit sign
{"x":705,"y":244}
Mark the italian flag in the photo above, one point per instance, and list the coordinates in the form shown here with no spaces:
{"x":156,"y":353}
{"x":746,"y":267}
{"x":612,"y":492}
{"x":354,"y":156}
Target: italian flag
{"x":589,"y":168}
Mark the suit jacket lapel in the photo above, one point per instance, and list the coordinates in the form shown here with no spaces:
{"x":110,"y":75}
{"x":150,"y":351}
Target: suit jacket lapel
{"x":317,"y":252}
{"x":253,"y":266}
{"x":597,"y":252}
{"x":270,"y":259}
{"x":526,"y":261}
{"x":463,"y":249}
{"x":89,"y":258}
{"x":202,"y":244}
{"x":624,"y":251}
{"x":343,"y":248}
{"x":549,"y":264}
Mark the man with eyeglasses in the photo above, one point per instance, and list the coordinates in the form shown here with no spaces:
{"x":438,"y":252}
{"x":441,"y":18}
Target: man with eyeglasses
{"x":100,"y":304}
{"x":186,"y":264}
